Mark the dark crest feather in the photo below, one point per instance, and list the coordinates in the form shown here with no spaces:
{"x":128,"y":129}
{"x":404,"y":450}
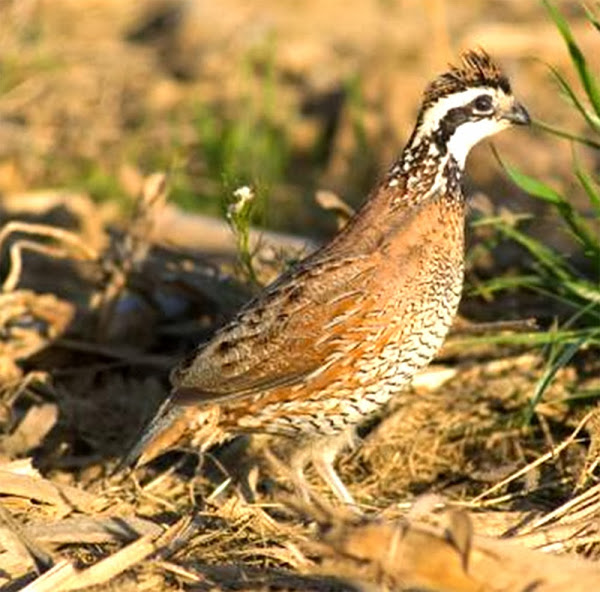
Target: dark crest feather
{"x":476,"y":69}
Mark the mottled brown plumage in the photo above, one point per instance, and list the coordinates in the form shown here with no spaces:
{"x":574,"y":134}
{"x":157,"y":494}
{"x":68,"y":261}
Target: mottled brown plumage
{"x":333,"y":339}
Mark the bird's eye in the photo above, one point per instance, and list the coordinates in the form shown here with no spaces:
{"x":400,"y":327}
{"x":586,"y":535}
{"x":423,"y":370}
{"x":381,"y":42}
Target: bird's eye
{"x":483,"y":104}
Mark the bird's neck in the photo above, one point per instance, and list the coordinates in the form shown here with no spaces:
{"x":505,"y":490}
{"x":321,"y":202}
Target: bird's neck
{"x":423,"y":169}
{"x":421,"y":173}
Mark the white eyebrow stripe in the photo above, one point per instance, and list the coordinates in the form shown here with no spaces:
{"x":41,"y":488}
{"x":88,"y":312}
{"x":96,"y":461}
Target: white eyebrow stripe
{"x":436,"y":112}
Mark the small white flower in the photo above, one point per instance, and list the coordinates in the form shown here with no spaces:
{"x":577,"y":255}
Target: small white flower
{"x":243,"y":196}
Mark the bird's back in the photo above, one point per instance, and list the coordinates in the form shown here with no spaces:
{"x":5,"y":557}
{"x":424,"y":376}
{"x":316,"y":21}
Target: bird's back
{"x":333,"y":339}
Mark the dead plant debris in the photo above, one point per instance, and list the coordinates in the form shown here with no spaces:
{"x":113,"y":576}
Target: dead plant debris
{"x":83,"y":369}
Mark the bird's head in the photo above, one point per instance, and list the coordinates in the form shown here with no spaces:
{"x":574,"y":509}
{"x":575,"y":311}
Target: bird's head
{"x":465,"y":105}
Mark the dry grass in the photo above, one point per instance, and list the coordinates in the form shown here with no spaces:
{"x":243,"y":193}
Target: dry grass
{"x":457,"y":492}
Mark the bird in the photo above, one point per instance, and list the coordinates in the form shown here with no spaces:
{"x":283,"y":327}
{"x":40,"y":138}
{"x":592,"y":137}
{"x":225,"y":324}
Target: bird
{"x":333,"y":339}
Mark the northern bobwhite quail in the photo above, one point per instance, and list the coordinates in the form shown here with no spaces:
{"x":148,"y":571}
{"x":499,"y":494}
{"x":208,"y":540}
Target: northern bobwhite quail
{"x":335,"y":337}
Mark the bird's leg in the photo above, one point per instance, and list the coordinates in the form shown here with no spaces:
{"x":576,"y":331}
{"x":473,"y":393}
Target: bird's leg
{"x":321,"y":452}
{"x":298,"y":464}
{"x":324,"y":455}
{"x":324,"y":466}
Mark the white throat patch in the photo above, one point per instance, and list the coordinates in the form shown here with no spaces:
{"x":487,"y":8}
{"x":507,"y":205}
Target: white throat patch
{"x":470,"y":133}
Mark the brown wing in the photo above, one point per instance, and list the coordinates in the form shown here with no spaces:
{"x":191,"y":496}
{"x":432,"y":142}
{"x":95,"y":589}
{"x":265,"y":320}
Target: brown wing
{"x":286,"y":333}
{"x":277,"y":339}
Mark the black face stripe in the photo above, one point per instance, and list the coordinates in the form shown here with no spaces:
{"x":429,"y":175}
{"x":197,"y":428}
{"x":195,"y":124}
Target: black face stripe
{"x":455,"y":117}
{"x":448,"y":125}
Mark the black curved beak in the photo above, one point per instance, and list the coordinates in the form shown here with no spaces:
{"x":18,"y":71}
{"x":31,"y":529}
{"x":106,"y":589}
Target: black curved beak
{"x":517,"y":115}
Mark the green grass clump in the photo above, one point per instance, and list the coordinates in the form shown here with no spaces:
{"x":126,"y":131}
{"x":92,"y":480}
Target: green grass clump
{"x":576,"y":288}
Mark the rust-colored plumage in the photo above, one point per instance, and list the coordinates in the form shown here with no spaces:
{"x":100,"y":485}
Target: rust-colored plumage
{"x":333,"y":339}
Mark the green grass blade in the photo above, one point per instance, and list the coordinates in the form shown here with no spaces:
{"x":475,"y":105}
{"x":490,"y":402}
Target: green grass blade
{"x":558,"y":273}
{"x":533,"y":186}
{"x":591,"y":188}
{"x":566,"y":135}
{"x":589,"y":310}
{"x":563,"y":283}
{"x":540,"y":338}
{"x":591,"y":17}
{"x":540,"y":252}
{"x":580,"y":229}
{"x":565,"y":356}
{"x":592,"y":119}
{"x":588,"y":80}
{"x":585,"y":290}
{"x":503,"y":283}
{"x":586,"y":396}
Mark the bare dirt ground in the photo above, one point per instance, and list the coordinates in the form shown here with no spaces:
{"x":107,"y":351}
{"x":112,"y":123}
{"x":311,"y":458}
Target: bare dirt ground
{"x":106,"y":285}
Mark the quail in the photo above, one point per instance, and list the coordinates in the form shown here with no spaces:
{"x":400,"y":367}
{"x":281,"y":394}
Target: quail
{"x":334,"y":338}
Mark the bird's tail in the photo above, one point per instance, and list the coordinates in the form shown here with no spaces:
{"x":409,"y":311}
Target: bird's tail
{"x":170,"y":424}
{"x":166,"y":427}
